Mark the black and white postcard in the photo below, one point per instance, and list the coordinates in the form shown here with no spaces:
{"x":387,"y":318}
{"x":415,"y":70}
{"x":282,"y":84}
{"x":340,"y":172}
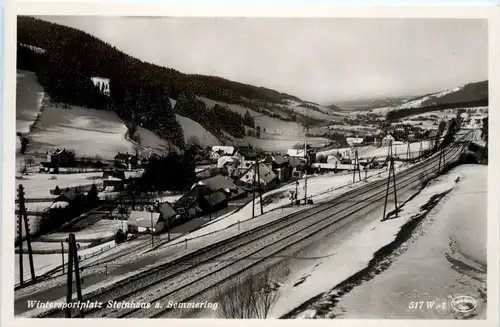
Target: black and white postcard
{"x":180,"y":162}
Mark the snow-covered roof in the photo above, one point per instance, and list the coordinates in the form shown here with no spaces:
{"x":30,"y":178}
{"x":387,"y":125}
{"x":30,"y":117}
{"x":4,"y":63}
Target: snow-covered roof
{"x":166,"y":210}
{"x":59,"y":151}
{"x":143,"y":219}
{"x":225,"y":149}
{"x":218,"y":182}
{"x":296,"y":152}
{"x":266,"y":174}
{"x":59,"y":204}
{"x":226,"y":159}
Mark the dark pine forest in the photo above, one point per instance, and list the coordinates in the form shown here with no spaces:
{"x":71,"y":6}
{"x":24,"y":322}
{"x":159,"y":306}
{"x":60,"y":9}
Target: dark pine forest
{"x":139,"y":91}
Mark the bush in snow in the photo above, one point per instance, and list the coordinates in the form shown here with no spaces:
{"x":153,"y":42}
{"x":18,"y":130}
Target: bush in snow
{"x":120,"y":236}
{"x":251,"y":298}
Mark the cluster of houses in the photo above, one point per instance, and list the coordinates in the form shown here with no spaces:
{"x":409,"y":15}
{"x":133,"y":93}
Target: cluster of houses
{"x":237,"y":172}
{"x":242,"y":164}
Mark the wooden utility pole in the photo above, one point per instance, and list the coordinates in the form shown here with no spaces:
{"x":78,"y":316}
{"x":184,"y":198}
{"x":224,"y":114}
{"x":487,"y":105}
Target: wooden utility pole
{"x":305,"y":176}
{"x":440,"y":160}
{"x":420,"y":152}
{"x":257,"y":164}
{"x":253,"y":192}
{"x":62,"y":255}
{"x":152,"y":234}
{"x":23,"y":220}
{"x":356,"y":167}
{"x":391,"y":172}
{"x":73,"y":263}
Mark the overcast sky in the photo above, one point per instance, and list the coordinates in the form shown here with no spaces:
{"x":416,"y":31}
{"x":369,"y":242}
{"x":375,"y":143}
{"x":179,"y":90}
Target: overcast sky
{"x":324,"y":60}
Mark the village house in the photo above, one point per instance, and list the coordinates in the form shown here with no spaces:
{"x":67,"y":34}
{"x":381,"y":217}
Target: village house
{"x":167,"y":214}
{"x":140,"y":221}
{"x":282,"y":168}
{"x":61,"y":158}
{"x":208,"y":195}
{"x":296,"y":153}
{"x":266,"y":178}
{"x":354,"y":141}
{"x":247,"y":156}
{"x":299,"y":167}
{"x":113,"y":178}
{"x":219,"y":151}
{"x":126,"y":160}
{"x":68,"y":197}
{"x":387,"y":140}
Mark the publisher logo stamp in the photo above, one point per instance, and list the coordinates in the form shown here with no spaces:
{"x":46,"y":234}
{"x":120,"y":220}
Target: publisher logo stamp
{"x":463,"y":304}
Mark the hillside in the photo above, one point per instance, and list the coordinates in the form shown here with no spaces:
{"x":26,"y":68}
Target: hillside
{"x":195,"y":133}
{"x":65,"y":59}
{"x":468,"y":93}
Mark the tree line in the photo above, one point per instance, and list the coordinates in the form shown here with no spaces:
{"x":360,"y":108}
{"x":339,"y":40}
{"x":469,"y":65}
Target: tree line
{"x":402,"y":113}
{"x":139,"y":91}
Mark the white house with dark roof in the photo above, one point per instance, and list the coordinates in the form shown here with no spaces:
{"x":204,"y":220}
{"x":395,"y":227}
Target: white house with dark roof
{"x":140,"y":221}
{"x":267,"y":178}
{"x":387,"y":140}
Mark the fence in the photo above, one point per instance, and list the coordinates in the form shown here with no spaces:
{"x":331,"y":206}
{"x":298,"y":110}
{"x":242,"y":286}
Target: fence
{"x":53,"y":272}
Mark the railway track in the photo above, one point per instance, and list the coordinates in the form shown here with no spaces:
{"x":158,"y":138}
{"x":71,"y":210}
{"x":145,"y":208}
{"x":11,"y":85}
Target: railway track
{"x":186,"y":278}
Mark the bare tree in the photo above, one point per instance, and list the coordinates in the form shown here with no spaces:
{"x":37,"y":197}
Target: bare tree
{"x":251,"y":298}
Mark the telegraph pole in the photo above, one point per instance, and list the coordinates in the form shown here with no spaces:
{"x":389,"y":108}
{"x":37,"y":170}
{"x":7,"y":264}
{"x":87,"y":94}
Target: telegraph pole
{"x":408,"y":152}
{"x":440,"y":159}
{"x":253,"y":197}
{"x":391,"y":171}
{"x":259,"y":185}
{"x":62,"y":255}
{"x":23,"y":220}
{"x":152,"y":236}
{"x":305,"y":176}
{"x":73,"y":263}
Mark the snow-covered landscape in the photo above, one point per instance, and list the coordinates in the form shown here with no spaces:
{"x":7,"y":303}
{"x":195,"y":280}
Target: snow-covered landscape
{"x":169,"y":181}
{"x":335,"y":265}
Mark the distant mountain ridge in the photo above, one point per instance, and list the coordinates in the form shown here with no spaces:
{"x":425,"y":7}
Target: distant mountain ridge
{"x":467,"y":93}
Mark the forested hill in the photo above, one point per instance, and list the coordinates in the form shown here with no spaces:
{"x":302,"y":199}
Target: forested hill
{"x":139,"y":90}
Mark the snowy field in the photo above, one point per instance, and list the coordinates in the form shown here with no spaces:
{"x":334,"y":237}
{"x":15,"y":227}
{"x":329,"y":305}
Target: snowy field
{"x":88,"y":132}
{"x":339,"y":260}
{"x":38,"y":185}
{"x":272,"y":125}
{"x":397,"y":150}
{"x":320,"y":115}
{"x":100,"y":230}
{"x":455,"y":232}
{"x":194,"y":130}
